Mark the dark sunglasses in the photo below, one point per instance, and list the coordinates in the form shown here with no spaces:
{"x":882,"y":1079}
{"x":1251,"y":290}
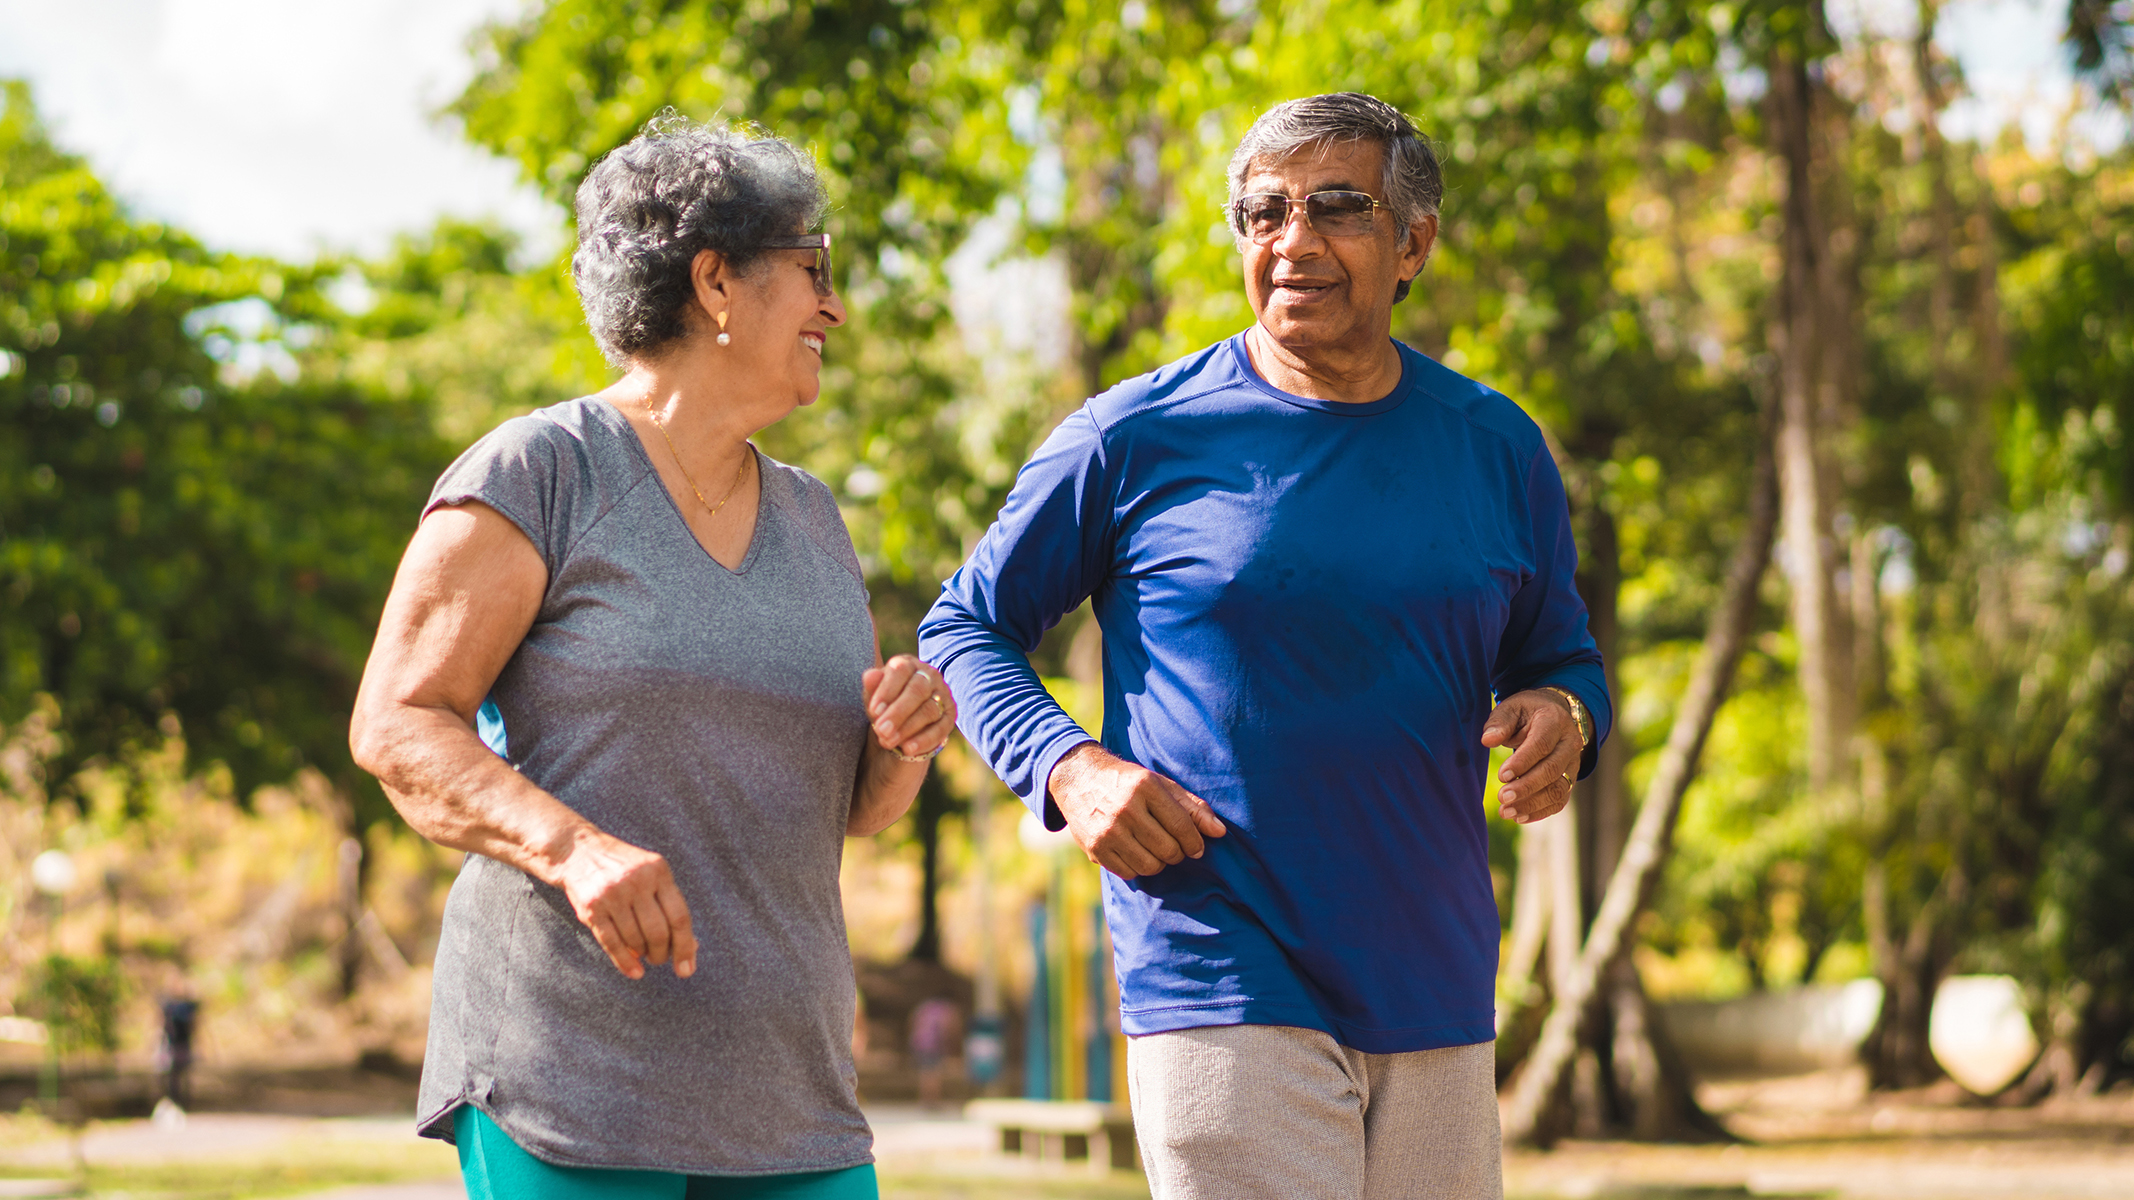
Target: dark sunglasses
{"x":820,"y":244}
{"x":1262,"y":216}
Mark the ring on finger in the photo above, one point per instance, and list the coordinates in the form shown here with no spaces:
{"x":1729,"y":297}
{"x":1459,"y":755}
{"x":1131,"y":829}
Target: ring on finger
{"x":920,"y":758}
{"x":939,"y":708}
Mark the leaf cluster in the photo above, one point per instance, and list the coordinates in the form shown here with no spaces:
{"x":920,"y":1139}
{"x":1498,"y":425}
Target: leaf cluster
{"x":184,"y":533}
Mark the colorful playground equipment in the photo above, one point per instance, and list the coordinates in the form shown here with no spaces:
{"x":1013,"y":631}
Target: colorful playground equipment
{"x":1072,"y":1049}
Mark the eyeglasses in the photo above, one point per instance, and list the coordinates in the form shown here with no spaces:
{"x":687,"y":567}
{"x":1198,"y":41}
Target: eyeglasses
{"x":820,"y":244}
{"x":1263,"y":216}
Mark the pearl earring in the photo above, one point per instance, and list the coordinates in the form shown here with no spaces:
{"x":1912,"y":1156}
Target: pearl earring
{"x":725,"y":338}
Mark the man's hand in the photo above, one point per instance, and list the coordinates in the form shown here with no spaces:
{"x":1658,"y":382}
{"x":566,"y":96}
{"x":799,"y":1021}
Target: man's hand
{"x":628,"y":898}
{"x":1127,"y":819}
{"x":1546,"y":751}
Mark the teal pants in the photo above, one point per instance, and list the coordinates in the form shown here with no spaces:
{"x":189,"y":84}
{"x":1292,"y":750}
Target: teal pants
{"x":495,"y":1168}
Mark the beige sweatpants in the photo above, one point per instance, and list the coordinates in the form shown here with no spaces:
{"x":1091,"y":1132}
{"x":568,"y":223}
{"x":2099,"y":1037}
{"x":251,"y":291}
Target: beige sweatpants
{"x":1270,"y":1112}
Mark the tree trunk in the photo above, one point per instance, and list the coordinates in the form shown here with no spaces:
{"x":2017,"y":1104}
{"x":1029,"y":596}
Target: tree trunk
{"x":1522,"y":994}
{"x":1896,"y":1050}
{"x":1601,"y":794}
{"x":1804,"y":334}
{"x":1631,"y":884}
{"x":927,"y":811}
{"x":1530,"y":922}
{"x":1652,"y":1084}
{"x":351,"y":881}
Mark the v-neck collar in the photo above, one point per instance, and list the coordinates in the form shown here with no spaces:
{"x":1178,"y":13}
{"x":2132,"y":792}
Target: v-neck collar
{"x":628,"y":432}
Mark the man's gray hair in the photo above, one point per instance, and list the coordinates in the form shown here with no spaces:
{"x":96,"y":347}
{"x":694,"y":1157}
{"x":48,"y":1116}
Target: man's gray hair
{"x":1412,"y":183}
{"x":648,"y":208}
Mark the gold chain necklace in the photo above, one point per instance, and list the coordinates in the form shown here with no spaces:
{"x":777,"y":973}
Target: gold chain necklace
{"x":740,"y":472}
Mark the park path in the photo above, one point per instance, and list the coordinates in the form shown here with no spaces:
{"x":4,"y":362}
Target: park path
{"x":208,"y":1136}
{"x":1895,"y":1170}
{"x":903,"y":1134}
{"x":1910,"y":1154}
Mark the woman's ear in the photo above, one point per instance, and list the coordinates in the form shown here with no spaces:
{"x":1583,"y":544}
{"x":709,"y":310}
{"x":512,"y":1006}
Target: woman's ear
{"x":711,"y":282}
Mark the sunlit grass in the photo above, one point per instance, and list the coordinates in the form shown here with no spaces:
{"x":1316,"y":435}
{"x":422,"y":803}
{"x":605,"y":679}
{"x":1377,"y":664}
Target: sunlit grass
{"x":1119,"y":1185}
{"x":244,"y":1180}
{"x":234,"y":1180}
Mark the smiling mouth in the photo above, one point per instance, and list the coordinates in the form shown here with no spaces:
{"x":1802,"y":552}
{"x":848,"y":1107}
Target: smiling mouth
{"x":812,"y":341}
{"x":1303,"y":287}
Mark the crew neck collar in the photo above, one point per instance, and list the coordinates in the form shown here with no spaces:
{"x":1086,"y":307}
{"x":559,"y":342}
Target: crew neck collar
{"x":1370,"y":408}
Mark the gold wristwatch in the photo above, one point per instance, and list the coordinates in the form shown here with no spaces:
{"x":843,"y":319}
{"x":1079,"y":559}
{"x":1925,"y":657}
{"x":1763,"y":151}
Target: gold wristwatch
{"x":1578,"y":714}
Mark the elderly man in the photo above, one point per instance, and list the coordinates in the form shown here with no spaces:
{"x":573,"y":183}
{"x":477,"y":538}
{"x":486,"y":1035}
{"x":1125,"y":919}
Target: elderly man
{"x":1331,"y":574}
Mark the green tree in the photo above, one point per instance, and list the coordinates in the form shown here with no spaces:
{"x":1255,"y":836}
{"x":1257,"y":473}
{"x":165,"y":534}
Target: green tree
{"x":191,"y":527}
{"x":77,"y":999}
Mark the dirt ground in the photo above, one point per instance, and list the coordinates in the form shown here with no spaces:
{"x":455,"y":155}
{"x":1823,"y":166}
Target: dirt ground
{"x":1825,"y":1135}
{"x":1819,"y":1136}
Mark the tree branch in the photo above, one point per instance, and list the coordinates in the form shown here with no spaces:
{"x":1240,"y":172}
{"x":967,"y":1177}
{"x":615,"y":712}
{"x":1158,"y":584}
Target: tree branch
{"x":1630,"y":887}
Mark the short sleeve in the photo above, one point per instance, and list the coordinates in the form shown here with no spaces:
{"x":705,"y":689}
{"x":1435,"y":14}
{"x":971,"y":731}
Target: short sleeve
{"x":525,"y":469}
{"x":814,"y":508}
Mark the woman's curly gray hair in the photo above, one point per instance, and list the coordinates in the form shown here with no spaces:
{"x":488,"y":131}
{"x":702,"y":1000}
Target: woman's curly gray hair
{"x":1412,"y":182}
{"x":680,"y":187}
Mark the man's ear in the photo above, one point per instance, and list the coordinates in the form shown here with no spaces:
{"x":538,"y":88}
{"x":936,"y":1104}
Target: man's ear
{"x":1422,"y":239}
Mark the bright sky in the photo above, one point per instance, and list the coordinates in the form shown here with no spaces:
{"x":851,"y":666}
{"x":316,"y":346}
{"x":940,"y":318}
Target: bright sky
{"x":2014,"y":65}
{"x":275,"y":126}
{"x":283,"y":126}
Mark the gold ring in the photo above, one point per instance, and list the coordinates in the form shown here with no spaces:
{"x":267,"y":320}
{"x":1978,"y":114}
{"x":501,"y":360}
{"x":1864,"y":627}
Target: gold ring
{"x":938,"y":706}
{"x":1567,"y":779}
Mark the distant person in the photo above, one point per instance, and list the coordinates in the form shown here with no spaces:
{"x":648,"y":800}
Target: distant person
{"x":688,"y":710}
{"x":1331,"y":575}
{"x":181,"y":1017}
{"x":933,"y":1035}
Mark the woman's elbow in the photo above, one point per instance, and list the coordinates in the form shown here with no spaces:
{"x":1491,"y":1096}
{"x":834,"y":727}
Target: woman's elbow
{"x":369,"y":739}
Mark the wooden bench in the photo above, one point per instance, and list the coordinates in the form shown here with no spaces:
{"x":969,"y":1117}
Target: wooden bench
{"x":1062,"y":1130}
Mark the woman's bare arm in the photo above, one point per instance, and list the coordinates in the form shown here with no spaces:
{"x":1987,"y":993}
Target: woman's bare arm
{"x":904,"y":717}
{"x":466,"y":593}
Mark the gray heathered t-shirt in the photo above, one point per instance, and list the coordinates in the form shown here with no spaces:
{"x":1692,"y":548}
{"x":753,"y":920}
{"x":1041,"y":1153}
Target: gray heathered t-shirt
{"x":715,"y":717}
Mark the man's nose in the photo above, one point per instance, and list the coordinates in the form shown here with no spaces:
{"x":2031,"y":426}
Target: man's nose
{"x":1297,"y":236}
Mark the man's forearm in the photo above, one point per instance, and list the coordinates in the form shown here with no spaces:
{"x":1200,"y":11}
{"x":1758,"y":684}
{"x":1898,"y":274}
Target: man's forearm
{"x":1007,"y":715}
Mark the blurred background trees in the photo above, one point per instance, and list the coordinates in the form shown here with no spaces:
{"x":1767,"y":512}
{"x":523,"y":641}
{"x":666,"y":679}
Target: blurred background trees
{"x":1675,"y":231}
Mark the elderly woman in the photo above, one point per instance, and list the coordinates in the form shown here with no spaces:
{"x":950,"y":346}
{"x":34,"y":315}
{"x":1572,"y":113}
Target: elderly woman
{"x":628,"y":666}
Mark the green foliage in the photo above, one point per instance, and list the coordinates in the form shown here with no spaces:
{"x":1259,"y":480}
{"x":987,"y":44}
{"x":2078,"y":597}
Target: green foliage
{"x":2075,"y":353}
{"x":184,"y":533}
{"x":2101,"y":34}
{"x":876,"y":87}
{"x":449,"y":318}
{"x":2079,"y":955}
{"x":78,"y":1000}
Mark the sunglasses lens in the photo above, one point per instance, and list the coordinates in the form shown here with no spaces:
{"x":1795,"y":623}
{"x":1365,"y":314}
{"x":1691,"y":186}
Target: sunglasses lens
{"x":1262,"y":215}
{"x":1330,"y":214}
{"x":1339,"y":214}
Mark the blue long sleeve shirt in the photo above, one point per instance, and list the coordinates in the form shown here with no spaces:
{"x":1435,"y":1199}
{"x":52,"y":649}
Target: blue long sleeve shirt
{"x":1308,"y":609}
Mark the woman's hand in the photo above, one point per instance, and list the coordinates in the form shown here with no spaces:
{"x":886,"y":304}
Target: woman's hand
{"x":910,"y":706}
{"x":911,"y":714}
{"x":627,"y":896}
